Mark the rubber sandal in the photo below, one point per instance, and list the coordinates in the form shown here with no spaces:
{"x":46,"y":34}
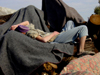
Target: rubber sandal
{"x":86,"y":53}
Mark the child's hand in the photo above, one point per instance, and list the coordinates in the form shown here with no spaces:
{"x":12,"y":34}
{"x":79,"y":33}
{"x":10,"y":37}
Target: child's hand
{"x":56,"y":33}
{"x":13,"y":27}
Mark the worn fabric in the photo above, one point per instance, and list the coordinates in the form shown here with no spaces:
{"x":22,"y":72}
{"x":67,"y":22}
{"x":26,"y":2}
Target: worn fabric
{"x":57,"y":13}
{"x":80,"y":73}
{"x":33,"y":33}
{"x":86,"y":63}
{"x":20,"y":54}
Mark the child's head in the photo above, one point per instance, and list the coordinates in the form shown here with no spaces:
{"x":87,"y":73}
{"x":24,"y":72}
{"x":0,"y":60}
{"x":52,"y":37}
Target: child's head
{"x":22,"y":29}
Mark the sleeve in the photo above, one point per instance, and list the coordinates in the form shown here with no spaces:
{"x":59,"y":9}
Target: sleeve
{"x":32,"y":33}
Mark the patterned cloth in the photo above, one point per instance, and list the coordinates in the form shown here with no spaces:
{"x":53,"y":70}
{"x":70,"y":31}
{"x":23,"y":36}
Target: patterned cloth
{"x":86,"y":63}
{"x":79,"y":73}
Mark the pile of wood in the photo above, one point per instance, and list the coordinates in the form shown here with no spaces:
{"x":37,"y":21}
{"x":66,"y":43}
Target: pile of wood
{"x":4,"y":18}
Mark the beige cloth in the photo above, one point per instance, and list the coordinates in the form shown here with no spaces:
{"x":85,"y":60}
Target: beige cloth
{"x":6,"y":11}
{"x":33,"y":33}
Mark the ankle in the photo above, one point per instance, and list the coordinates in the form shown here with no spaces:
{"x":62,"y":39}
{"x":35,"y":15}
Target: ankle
{"x":81,"y":50}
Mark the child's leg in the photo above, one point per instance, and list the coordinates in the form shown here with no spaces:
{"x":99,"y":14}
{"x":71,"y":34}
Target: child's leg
{"x":72,"y":34}
{"x":82,"y":44}
{"x":69,"y":25}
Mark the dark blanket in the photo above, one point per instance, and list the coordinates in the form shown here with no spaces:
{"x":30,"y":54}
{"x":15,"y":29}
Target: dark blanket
{"x":20,"y":54}
{"x":57,"y":13}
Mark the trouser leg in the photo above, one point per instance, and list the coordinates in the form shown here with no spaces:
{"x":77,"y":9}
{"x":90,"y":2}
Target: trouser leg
{"x":69,"y":25}
{"x":72,"y":34}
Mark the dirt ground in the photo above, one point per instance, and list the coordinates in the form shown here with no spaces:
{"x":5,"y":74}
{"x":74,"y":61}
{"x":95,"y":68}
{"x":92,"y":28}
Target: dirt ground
{"x":89,"y":46}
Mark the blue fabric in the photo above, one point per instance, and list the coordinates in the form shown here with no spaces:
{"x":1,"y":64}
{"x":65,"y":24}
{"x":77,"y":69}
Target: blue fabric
{"x":71,"y":33}
{"x":69,"y":25}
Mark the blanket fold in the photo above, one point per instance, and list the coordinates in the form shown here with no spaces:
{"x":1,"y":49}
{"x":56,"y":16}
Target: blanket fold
{"x":57,"y":13}
{"x":20,"y":54}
